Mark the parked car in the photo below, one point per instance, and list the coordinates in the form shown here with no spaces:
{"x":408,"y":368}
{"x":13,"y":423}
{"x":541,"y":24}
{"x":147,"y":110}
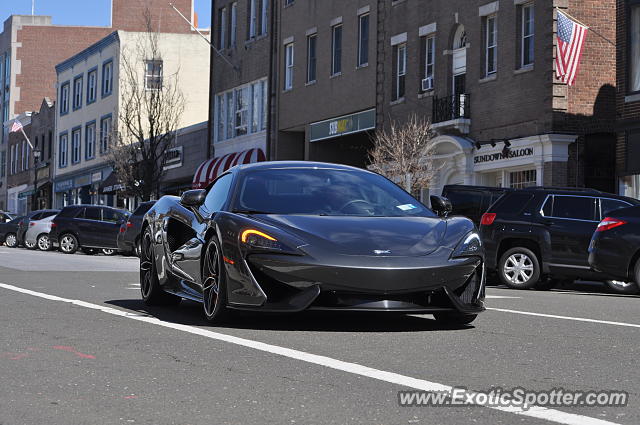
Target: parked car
{"x":615,"y":249}
{"x":23,"y":226}
{"x":472,"y":201}
{"x":129,"y":236}
{"x":5,"y":217}
{"x":536,"y":236}
{"x":292,"y":236}
{"x":9,"y":232}
{"x":37,"y":235}
{"x":87,"y":227}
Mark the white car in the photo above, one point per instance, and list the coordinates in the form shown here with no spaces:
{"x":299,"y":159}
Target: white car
{"x":37,"y":235}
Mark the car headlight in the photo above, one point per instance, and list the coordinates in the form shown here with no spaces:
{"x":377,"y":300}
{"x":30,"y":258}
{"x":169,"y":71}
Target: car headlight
{"x":470,"y":246}
{"x":257,"y":239}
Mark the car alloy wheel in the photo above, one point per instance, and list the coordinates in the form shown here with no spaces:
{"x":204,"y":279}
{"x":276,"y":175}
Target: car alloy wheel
{"x":29,"y":244}
{"x":622,"y":287}
{"x":11,"y":241}
{"x":213,"y":297}
{"x":109,"y":251}
{"x":44,"y":243}
{"x":518,"y":269}
{"x":152,"y":293}
{"x":68,"y":244}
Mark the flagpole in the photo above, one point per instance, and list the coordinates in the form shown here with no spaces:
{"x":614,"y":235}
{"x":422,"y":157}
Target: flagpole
{"x":588,"y":27}
{"x":26,"y":137}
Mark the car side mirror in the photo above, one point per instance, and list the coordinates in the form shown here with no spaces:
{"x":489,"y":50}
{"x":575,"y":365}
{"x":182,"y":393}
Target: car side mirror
{"x":193,"y":198}
{"x":441,"y":205}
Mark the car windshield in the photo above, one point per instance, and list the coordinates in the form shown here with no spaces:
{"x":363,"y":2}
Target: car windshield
{"x":331,"y":192}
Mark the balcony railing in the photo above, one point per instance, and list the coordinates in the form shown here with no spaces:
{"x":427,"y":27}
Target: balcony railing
{"x":451,"y":108}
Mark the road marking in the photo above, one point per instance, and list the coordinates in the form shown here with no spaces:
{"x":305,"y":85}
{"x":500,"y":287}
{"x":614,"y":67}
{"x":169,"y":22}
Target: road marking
{"x":577,"y":319}
{"x":544,"y":413}
{"x":499,"y":296}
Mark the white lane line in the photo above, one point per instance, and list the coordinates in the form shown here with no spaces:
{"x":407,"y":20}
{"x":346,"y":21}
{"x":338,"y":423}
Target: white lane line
{"x":499,"y":296}
{"x":576,"y":319}
{"x":544,"y":413}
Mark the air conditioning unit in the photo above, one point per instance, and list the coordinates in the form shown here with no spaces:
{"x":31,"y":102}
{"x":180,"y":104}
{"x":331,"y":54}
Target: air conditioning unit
{"x":427,"y":84}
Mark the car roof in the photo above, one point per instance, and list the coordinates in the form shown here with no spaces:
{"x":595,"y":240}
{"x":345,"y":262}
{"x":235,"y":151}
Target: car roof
{"x":579,"y":192}
{"x":274,"y":165}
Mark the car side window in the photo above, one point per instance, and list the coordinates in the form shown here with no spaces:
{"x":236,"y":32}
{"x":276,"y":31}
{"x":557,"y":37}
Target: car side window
{"x":47,"y":214}
{"x":36,"y":217}
{"x":574,"y":207}
{"x":92,"y":213}
{"x":607,"y":205}
{"x":218,"y":193}
{"x":110,"y":215}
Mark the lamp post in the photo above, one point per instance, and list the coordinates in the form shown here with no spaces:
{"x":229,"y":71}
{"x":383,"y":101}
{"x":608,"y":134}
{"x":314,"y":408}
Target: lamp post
{"x":36,"y":159}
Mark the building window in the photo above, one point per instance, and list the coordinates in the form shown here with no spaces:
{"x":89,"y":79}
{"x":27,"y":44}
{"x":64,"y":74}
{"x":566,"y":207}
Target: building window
{"x":252,"y":16}
{"x":311,"y":58}
{"x":233,"y":29}
{"x":336,"y":50}
{"x":528,"y":31}
{"x":105,"y":134}
{"x":363,"y":40}
{"x":25,"y":157}
{"x":77,"y":93}
{"x":288,"y":2}
{"x":50,"y":145}
{"x":634,"y":48}
{"x":107,"y":78}
{"x":11,"y":154}
{"x":222,"y":35}
{"x":264,"y":4}
{"x":427,"y":61}
{"x":3,"y":163}
{"x":491,"y":45}
{"x":90,"y":141}
{"x":399,"y":71}
{"x":522,"y":179}
{"x":75,"y":146}
{"x":153,"y":76}
{"x":92,"y":81}
{"x":242,"y":111}
{"x":64,"y":99}
{"x":7,"y":69}
{"x":62,"y":160}
{"x":288,"y":63}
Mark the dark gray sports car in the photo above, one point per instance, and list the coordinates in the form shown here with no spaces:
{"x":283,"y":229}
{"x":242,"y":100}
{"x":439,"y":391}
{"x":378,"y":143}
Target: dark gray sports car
{"x":292,"y":236}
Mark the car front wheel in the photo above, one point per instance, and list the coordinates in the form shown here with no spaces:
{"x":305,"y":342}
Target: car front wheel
{"x":68,"y":243}
{"x":213,"y":283}
{"x":519,"y":268}
{"x":44,"y":243}
{"x":106,"y":251}
{"x":11,"y":240}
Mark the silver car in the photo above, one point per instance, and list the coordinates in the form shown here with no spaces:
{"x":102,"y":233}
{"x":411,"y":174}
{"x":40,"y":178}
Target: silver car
{"x":37,"y":235}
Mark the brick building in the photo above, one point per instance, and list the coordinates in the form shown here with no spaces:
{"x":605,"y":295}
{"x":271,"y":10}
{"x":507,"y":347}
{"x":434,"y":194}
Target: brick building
{"x":481,"y":71}
{"x":628,"y":97}
{"x":31,"y":46}
{"x":43,"y":127}
{"x":239,"y":85}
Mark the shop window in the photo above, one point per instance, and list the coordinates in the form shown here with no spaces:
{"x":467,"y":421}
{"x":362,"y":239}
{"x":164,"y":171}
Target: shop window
{"x":522,"y":179}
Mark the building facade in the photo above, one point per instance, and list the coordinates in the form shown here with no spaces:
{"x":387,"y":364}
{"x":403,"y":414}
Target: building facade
{"x":482,"y":72}
{"x":90,"y":93}
{"x":628,"y":97}
{"x":31,"y":46}
{"x":183,"y":158}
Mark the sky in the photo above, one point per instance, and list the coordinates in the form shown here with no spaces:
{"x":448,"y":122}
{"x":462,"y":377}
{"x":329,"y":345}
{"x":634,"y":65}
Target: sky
{"x":83,"y":12}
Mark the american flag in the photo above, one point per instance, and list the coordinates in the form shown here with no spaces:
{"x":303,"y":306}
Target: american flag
{"x":571,"y":36}
{"x":17,"y":126}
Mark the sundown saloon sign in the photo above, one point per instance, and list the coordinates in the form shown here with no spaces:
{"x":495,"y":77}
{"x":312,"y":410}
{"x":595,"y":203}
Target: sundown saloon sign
{"x":513,"y":153}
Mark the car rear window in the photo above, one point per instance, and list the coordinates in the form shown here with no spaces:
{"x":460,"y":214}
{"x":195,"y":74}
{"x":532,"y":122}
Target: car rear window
{"x":48,"y":214}
{"x":608,"y":205}
{"x":465,"y":202}
{"x":512,"y":203}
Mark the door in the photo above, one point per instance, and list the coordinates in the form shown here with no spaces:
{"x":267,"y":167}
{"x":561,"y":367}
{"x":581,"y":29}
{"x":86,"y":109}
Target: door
{"x":571,"y":221}
{"x":110,"y":225}
{"x":86,"y":225}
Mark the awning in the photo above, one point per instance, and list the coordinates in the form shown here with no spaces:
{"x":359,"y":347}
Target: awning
{"x":110,"y":185}
{"x":212,"y":168}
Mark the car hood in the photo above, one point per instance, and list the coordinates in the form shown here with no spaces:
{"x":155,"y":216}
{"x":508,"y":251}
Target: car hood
{"x":375,"y":236}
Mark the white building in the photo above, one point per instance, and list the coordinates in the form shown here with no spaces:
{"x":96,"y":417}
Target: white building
{"x":89,"y":97}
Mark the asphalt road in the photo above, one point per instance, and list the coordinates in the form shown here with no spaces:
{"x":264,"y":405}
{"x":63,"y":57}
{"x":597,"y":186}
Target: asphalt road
{"x":78,"y":346}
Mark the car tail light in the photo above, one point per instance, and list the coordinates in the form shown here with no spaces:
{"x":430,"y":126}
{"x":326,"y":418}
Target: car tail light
{"x":129,"y":224}
{"x":609,"y":223}
{"x":488,"y":219}
{"x":54,"y":225}
{"x":32,"y":224}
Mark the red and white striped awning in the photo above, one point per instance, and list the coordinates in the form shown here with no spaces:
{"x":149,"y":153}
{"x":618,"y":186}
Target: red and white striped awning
{"x":212,"y":168}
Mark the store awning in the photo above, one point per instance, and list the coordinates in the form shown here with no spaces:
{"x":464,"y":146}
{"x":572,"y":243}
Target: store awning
{"x":212,"y":168}
{"x":110,"y":185}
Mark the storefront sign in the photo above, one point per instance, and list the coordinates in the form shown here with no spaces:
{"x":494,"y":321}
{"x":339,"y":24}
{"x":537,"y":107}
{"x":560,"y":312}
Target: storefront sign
{"x":26,"y":193}
{"x":64,"y":185}
{"x":342,"y":126}
{"x":513,"y":153}
{"x":43,"y":173}
{"x":83,"y":180}
{"x":96,"y":177}
{"x":173,"y":158}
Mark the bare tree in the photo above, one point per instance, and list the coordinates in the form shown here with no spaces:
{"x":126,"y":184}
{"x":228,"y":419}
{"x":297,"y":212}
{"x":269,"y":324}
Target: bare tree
{"x":150,"y":111}
{"x":404,"y":154}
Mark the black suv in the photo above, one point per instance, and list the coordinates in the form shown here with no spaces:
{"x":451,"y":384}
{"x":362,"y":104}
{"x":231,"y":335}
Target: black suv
{"x":472,"y":201}
{"x":535,"y":234}
{"x":88,"y":227}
